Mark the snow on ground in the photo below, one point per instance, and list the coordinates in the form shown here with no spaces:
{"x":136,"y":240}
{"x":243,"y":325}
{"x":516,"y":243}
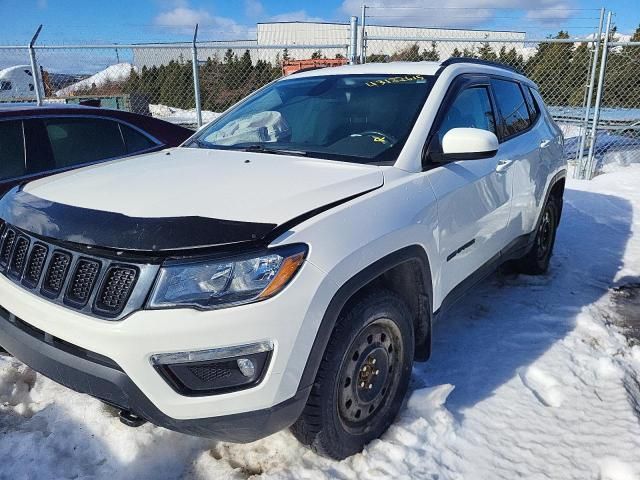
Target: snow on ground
{"x":529,"y":378}
{"x":570,"y":130}
{"x":113,"y":73}
{"x":179,"y":115}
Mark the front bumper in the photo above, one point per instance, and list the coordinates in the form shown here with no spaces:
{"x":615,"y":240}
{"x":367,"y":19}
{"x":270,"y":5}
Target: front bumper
{"x":289,"y":321}
{"x":102,"y":378}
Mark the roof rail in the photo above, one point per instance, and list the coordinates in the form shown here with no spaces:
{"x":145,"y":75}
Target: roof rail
{"x":489,"y":63}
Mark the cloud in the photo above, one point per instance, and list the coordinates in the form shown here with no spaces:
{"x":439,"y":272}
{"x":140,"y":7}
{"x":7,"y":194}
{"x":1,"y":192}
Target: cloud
{"x":553,"y":13}
{"x":458,"y":13}
{"x":254,"y":8}
{"x":182,"y":19}
{"x":295,"y":16}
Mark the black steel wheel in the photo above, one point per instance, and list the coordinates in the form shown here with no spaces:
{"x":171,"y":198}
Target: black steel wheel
{"x":368,"y":376}
{"x":536,"y":261}
{"x":363,"y":376}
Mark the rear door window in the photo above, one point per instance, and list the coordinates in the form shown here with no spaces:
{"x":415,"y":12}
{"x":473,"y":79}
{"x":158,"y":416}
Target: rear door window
{"x":81,"y":140}
{"x":12,"y":158}
{"x":512,"y":106}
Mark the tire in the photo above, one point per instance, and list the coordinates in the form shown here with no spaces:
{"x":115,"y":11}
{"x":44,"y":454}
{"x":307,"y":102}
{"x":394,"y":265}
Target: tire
{"x":362,"y":379}
{"x":536,"y":261}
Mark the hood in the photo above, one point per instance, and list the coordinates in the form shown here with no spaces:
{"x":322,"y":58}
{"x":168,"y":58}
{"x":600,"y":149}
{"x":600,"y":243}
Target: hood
{"x":183,"y":198}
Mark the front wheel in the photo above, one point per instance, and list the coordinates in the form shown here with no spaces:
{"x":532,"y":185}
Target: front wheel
{"x":362,"y":379}
{"x":536,"y":261}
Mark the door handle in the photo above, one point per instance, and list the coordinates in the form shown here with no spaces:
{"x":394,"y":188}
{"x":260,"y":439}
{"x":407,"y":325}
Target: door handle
{"x":545,"y":143}
{"x":503,"y":165}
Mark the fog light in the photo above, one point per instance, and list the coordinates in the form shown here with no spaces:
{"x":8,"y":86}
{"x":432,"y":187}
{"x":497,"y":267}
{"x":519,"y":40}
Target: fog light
{"x":210,"y":372}
{"x":246,"y":366}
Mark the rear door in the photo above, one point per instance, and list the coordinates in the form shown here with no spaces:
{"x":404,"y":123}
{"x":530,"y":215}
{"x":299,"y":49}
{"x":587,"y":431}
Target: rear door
{"x":474,"y":196}
{"x":520,"y":145}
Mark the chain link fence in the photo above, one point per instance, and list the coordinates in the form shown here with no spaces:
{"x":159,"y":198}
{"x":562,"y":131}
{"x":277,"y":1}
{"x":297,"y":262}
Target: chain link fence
{"x":618,"y":126}
{"x":158,"y":79}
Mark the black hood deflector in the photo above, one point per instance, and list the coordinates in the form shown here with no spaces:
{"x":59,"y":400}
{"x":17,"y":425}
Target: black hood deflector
{"x":117,"y":231}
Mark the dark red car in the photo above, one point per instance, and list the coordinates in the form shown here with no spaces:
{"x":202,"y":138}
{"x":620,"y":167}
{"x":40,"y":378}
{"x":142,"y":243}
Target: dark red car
{"x":39,"y":141}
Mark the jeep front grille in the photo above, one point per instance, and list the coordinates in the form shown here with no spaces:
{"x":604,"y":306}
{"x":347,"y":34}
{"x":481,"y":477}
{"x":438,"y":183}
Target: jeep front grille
{"x":97,"y":286}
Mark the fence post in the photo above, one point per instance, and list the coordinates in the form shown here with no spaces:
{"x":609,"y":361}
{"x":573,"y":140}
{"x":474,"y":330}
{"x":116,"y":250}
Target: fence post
{"x":363,"y":56}
{"x":196,"y":77}
{"x":579,"y":171}
{"x":596,"y":111}
{"x":353,"y":44}
{"x":35,"y":71}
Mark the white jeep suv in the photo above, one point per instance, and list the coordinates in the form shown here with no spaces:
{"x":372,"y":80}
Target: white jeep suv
{"x":283,"y":268}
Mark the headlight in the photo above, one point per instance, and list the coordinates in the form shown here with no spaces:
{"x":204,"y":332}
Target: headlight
{"x":232,"y":281}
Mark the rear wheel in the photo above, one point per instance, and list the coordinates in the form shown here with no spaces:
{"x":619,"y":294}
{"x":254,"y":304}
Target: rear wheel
{"x":362,"y":379}
{"x":536,"y":261}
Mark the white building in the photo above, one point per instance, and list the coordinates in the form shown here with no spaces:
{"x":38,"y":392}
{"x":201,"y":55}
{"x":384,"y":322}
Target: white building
{"x":302,"y":39}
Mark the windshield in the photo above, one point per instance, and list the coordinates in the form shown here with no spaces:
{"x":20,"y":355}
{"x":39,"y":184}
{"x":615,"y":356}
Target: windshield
{"x":355,"y":118}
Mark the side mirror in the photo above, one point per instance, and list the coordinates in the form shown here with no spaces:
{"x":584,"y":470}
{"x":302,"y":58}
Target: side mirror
{"x":468,"y":144}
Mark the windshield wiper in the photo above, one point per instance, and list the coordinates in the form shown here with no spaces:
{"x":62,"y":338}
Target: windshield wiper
{"x":277,"y":151}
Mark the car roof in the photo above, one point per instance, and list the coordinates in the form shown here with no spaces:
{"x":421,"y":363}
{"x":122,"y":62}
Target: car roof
{"x":412,"y":68}
{"x":28,"y":106}
{"x":462,"y":65}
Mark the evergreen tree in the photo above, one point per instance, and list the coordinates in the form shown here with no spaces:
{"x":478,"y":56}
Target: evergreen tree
{"x":543,"y":68}
{"x":432,"y":54}
{"x":485,"y":52}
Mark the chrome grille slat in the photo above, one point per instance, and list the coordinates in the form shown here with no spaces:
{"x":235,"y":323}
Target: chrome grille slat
{"x":19,"y":256}
{"x":56,"y":273}
{"x":82,"y":281}
{"x":96,"y":286}
{"x":35,"y":265}
{"x":116,"y":288}
{"x":7,"y":246}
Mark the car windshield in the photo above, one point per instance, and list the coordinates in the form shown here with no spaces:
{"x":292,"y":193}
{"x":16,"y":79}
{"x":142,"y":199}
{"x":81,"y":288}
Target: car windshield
{"x":354,"y":118}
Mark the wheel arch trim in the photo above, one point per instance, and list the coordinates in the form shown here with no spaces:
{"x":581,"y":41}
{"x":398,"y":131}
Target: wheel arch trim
{"x":411,"y":253}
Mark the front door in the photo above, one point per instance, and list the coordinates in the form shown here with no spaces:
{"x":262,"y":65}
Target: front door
{"x":474,"y":196}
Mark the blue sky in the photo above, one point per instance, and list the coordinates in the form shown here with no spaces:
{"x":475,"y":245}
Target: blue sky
{"x":124,"y":21}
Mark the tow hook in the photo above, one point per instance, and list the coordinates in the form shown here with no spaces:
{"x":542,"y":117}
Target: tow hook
{"x":130,"y":419}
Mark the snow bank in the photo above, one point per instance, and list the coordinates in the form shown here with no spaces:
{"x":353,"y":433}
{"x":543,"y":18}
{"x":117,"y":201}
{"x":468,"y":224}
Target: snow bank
{"x":545,"y":386}
{"x":113,"y":73}
{"x":179,"y":115}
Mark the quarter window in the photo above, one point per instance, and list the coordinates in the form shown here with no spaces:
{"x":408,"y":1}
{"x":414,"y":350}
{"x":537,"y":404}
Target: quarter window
{"x":534,"y":110}
{"x":134,"y":140}
{"x":512,"y":106}
{"x":471,"y":109}
{"x":12,"y":158}
{"x":82,"y":140}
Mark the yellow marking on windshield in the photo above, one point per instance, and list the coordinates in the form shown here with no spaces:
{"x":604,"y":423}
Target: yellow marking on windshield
{"x":379,"y":139}
{"x":394,"y":80}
